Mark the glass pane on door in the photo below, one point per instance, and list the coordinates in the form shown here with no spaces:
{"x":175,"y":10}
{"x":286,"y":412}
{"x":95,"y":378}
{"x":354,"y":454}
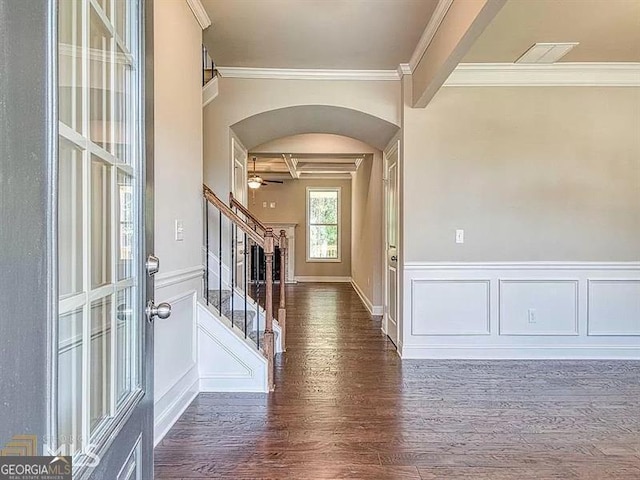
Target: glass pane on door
{"x":70,"y":57}
{"x":100,"y":70}
{"x":100,"y":364}
{"x":70,"y":350}
{"x":70,"y":219}
{"x":101,"y":292}
{"x":100,"y":222}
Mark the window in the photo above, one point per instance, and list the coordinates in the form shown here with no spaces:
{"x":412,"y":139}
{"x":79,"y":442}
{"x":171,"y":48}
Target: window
{"x":323,"y":224}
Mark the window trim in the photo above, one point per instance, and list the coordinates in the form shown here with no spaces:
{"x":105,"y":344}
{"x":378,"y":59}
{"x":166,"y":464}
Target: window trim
{"x":309,"y":258}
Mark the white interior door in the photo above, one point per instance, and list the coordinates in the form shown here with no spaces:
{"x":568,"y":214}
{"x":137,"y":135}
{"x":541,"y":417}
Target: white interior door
{"x":391,"y":241}
{"x":239,"y":190}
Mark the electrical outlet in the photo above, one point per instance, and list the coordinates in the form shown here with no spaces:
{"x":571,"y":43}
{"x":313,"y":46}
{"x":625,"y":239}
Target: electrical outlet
{"x":459,"y":236}
{"x":264,"y":204}
{"x":531,"y":315}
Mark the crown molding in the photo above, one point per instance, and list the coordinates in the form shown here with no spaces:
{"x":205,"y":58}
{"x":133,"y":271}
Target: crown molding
{"x":553,"y":75}
{"x":429,"y":32}
{"x":404,"y":69}
{"x":200,"y":13}
{"x":307,"y":74}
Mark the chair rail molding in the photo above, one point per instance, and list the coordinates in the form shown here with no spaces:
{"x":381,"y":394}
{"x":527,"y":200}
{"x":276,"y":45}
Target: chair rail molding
{"x":178,"y":276}
{"x":522,"y":310}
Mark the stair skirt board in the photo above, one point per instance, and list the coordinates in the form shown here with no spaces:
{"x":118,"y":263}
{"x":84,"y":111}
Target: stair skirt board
{"x":227,"y":362}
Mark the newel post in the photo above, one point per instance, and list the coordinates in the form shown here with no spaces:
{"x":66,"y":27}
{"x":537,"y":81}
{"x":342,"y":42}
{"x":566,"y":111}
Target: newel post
{"x":269,"y":343}
{"x":282,"y":311}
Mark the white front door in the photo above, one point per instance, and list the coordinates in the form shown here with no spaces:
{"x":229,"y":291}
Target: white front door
{"x":391,"y":241}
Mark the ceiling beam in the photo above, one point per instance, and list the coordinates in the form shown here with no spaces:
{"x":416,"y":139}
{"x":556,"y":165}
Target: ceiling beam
{"x":327,"y":167}
{"x":291,"y":165}
{"x":457,"y":31}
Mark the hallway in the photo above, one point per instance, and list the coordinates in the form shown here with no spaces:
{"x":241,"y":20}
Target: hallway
{"x":345,"y":406}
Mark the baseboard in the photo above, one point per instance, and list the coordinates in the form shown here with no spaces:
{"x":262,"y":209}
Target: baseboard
{"x":375,"y":310}
{"x":323,"y":279}
{"x":177,"y":399}
{"x":229,"y":383}
{"x":442,"y":352}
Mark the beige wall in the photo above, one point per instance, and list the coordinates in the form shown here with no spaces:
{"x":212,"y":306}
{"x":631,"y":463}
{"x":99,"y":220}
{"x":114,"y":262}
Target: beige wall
{"x":366,"y":210}
{"x":367,"y":255}
{"x":530,"y":174}
{"x":178,"y":187}
{"x":242,"y":98}
{"x":178,"y":134}
{"x":290,"y":198}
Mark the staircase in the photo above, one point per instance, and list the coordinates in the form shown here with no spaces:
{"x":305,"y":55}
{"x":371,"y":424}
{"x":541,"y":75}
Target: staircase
{"x":238,"y":285}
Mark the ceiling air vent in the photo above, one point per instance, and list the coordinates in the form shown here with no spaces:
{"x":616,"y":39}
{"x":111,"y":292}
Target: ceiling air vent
{"x":546,"y":52}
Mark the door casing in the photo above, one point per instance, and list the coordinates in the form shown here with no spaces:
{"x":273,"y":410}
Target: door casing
{"x":392,"y":327}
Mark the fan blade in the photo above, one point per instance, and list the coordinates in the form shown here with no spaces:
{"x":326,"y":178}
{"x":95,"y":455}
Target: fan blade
{"x":272,"y":181}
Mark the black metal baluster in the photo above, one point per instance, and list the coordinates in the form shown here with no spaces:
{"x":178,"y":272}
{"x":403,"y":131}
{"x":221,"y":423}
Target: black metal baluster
{"x":256,"y":269}
{"x":233,"y":269}
{"x":206,"y":230}
{"x":244,"y":264}
{"x":220,"y":262}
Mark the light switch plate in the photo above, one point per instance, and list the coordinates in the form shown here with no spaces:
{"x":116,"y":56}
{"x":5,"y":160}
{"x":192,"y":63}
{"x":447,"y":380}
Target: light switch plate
{"x":264,"y":204}
{"x":179,"y":230}
{"x":272,"y":205}
{"x":459,"y":236}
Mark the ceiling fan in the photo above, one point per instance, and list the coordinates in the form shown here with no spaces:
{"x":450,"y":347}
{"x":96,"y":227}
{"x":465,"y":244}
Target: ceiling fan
{"x":256,"y":181}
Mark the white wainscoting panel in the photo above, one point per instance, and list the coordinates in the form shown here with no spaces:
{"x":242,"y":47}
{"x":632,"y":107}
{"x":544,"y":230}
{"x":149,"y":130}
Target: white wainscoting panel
{"x":580,"y":310}
{"x":614,"y":307}
{"x":538,"y":307}
{"x":175,"y":361}
{"x":450,"y":307}
{"x":175,"y":343}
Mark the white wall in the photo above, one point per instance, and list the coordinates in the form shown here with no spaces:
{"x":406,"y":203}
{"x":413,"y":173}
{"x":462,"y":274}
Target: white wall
{"x":546,"y":184}
{"x":178,"y":187}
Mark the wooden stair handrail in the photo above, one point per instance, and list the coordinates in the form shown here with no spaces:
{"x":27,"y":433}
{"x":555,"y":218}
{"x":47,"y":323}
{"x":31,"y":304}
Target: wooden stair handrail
{"x":231,"y":215}
{"x":245,"y":211}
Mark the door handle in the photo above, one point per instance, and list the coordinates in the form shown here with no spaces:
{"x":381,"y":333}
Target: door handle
{"x":162,"y":310}
{"x":394,"y":258}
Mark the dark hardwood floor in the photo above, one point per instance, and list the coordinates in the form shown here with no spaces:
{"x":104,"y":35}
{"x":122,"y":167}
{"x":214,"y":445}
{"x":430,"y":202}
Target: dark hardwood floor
{"x":347,"y":407}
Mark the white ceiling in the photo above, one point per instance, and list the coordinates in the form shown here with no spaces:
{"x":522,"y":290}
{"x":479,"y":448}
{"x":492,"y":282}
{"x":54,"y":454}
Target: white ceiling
{"x":322,"y":34}
{"x":608,"y":30}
